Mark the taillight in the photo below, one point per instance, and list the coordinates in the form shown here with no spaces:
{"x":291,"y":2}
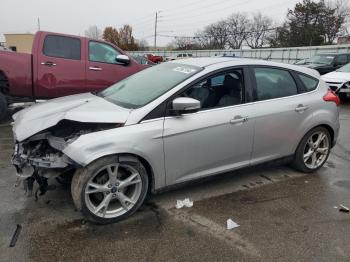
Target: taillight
{"x":331,"y":97}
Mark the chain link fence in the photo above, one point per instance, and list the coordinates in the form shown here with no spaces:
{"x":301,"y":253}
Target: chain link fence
{"x":285,"y":55}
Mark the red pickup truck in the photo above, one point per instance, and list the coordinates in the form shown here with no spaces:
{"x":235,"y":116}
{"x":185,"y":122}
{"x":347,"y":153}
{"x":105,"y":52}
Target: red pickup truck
{"x":155,"y":58}
{"x":61,"y":65}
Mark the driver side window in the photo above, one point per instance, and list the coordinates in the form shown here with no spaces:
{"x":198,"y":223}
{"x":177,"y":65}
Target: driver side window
{"x":100,"y":52}
{"x":221,"y":90}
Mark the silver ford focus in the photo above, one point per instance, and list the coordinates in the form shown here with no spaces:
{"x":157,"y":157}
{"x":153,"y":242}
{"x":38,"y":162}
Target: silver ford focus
{"x":174,"y":123}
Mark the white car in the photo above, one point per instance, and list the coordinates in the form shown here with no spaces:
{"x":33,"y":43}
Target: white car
{"x":339,"y":81}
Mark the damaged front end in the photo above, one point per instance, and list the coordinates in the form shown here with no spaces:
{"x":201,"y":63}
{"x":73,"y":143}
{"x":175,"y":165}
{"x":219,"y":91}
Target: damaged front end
{"x":40,"y":156}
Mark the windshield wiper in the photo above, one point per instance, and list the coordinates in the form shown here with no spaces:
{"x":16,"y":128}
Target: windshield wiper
{"x":96,"y":93}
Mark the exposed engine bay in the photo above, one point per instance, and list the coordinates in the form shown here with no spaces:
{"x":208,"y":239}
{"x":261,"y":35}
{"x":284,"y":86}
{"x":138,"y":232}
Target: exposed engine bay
{"x":40,"y":156}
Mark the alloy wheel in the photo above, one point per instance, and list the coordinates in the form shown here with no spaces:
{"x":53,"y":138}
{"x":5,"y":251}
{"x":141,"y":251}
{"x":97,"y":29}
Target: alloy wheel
{"x":113,"y":190}
{"x":316,"y":150}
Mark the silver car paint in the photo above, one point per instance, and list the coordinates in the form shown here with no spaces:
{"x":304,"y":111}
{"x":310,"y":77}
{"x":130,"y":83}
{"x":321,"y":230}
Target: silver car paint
{"x":207,"y":142}
{"x":82,"y":108}
{"x":194,"y":145}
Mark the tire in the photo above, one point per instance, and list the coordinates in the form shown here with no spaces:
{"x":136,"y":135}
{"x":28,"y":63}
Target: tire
{"x":308,"y":151}
{"x":102,"y":201}
{"x":3,"y":107}
{"x":343,"y":97}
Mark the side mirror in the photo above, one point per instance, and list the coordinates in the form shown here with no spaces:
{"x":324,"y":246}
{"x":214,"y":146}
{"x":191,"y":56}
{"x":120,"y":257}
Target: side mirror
{"x":124,"y":59}
{"x":183,"y":105}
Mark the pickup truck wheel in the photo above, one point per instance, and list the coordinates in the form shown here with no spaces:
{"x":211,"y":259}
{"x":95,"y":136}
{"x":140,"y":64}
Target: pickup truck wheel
{"x":107,"y":191}
{"x":3,"y":107}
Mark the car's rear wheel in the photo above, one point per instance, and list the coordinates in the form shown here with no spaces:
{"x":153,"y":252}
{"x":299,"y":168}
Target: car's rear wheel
{"x":109,"y":190}
{"x":313,"y":150}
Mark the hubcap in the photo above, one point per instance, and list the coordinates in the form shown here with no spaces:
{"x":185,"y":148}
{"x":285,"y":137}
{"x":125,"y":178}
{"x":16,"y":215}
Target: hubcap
{"x":113,"y":190}
{"x":316,"y":150}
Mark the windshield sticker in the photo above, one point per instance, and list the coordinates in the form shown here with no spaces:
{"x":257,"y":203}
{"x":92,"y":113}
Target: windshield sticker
{"x":184,"y":70}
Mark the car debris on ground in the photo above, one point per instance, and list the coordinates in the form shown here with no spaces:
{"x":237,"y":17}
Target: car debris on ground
{"x":344,"y":209}
{"x":231,"y":224}
{"x":186,"y":202}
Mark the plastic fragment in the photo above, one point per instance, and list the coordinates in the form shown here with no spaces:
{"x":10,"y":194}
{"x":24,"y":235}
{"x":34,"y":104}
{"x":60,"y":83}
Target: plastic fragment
{"x":343,"y":208}
{"x":231,"y":224}
{"x":186,"y":202}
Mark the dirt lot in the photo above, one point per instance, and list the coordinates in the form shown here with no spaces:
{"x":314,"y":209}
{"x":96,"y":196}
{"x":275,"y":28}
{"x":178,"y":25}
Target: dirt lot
{"x":283,"y":216}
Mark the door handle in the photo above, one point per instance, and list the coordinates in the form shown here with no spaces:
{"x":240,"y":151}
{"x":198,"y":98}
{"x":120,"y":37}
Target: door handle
{"x":95,"y":68}
{"x":301,"y":108}
{"x":238,"y":119}
{"x":48,"y":63}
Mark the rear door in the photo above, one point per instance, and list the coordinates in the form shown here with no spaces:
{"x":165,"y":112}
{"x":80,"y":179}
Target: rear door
{"x":282,"y":111}
{"x":102,"y":70}
{"x":60,"y":67}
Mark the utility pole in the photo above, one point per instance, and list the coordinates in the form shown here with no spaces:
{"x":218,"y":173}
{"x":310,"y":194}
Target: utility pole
{"x":155,"y":31}
{"x":38,"y":24}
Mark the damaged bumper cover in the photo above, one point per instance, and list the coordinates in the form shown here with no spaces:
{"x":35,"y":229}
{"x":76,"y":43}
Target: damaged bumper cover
{"x":40,"y":153}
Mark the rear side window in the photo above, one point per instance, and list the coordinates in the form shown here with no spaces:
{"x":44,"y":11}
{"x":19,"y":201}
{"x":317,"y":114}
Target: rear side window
{"x":62,"y":47}
{"x":341,"y":59}
{"x":309,"y":82}
{"x":274,"y":83}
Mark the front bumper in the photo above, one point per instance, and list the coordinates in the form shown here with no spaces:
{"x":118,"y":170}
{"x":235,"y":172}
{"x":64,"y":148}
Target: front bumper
{"x":340,"y":87}
{"x":26,"y":165}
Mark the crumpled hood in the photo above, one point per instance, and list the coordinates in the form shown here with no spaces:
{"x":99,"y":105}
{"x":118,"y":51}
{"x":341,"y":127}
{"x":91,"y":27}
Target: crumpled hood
{"x":81,"y":108}
{"x":340,"y":77}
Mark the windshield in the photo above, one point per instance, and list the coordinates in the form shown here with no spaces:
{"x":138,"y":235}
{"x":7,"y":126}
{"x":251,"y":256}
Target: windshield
{"x":143,"y":87}
{"x":345,"y":69}
{"x":321,"y":59}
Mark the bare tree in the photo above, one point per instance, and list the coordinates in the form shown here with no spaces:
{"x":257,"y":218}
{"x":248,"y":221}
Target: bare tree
{"x":259,"y":31}
{"x":126,"y":38}
{"x":342,"y":12}
{"x":93,"y":32}
{"x":237,"y":28}
{"x":214,"y":36}
{"x":143,"y":45}
{"x":184,"y":43}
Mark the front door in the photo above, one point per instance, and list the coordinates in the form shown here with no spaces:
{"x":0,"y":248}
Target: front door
{"x":216,"y":139}
{"x":102,"y":70}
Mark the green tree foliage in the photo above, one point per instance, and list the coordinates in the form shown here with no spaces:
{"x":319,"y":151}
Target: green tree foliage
{"x":310,"y":23}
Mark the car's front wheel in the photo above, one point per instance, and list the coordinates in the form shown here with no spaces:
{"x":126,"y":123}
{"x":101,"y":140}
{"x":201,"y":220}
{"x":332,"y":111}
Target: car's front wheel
{"x":109,"y":190}
{"x":313,"y":150}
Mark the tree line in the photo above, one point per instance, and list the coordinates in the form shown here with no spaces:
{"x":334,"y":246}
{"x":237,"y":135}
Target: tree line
{"x":308,"y":23}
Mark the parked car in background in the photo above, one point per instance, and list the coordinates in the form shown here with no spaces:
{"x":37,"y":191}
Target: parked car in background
{"x":180,"y":56}
{"x":61,"y":65}
{"x":339,"y":81}
{"x":155,"y":58}
{"x":169,"y":58}
{"x":174,"y":123}
{"x":325,"y":63}
{"x":301,"y":62}
{"x":142,"y":60}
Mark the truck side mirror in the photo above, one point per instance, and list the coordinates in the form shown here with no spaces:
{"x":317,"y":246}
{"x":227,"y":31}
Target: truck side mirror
{"x":123,"y":59}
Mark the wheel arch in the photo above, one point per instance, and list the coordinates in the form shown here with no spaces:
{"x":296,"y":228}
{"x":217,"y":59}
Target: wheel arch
{"x":132,"y":157}
{"x":328,"y":127}
{"x":145,"y":163}
{"x":3,"y":78}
